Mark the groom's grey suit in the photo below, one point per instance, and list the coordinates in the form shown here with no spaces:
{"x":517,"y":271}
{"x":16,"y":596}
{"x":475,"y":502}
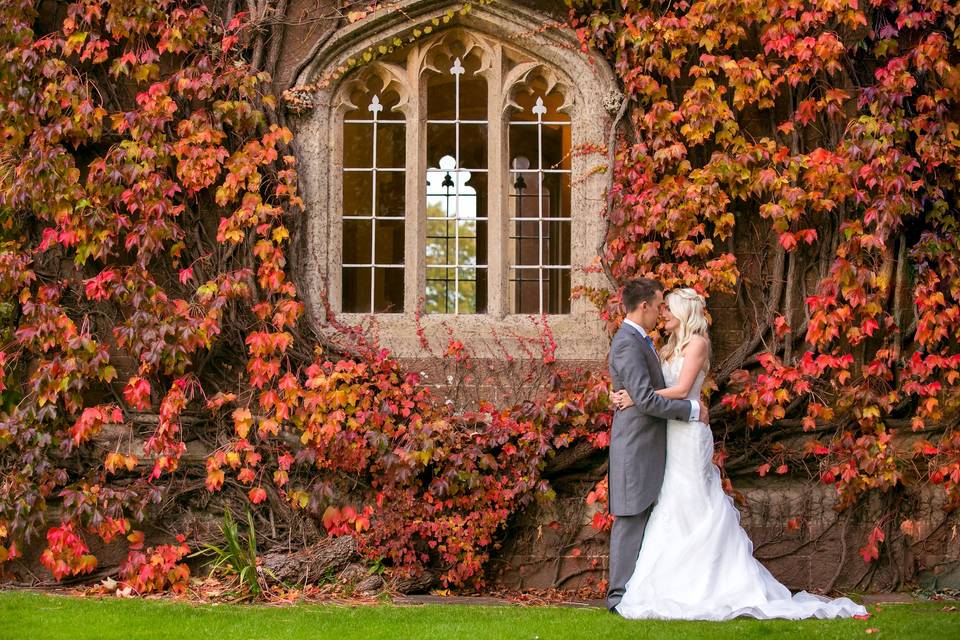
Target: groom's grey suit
{"x":638,"y":450}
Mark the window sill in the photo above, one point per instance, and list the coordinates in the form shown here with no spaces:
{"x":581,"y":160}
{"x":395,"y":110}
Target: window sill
{"x":578,"y":335}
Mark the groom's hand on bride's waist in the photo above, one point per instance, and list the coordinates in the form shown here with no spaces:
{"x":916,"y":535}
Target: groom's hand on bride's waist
{"x":704,"y":413}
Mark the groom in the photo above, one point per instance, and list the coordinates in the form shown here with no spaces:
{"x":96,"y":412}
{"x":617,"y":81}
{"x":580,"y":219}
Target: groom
{"x":638,"y":444}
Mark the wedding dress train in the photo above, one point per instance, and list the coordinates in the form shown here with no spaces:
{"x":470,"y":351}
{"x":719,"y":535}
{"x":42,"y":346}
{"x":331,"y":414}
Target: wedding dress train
{"x":696,"y":562}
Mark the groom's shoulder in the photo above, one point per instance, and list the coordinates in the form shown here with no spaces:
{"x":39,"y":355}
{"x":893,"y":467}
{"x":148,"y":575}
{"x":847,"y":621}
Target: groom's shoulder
{"x":625,"y":330}
{"x":622,"y":335}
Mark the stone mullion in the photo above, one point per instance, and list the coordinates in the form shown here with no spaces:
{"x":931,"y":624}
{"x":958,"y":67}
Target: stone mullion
{"x":333,"y":224}
{"x":587,"y":198}
{"x":415,"y":237}
{"x":498,"y":220}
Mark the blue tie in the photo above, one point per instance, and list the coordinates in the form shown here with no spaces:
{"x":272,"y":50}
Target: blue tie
{"x":650,"y":342}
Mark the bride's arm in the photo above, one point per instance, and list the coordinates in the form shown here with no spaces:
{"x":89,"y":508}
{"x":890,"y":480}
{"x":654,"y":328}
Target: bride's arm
{"x":694,"y":355}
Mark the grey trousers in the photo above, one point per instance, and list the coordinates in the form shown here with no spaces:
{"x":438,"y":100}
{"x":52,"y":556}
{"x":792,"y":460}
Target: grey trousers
{"x":626,"y":536}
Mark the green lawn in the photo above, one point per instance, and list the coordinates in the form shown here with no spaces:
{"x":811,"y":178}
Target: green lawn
{"x":32,"y":616}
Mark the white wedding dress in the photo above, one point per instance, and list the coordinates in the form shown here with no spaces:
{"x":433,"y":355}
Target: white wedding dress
{"x":696,"y":562}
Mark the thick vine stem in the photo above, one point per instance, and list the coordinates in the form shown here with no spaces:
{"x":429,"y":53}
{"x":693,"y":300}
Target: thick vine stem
{"x":788,"y":306}
{"x":898,"y":290}
{"x":256,"y":20}
{"x":611,"y":178}
{"x":739,"y":356}
{"x":278,"y":25}
{"x":301,"y":71}
{"x":802,"y":545}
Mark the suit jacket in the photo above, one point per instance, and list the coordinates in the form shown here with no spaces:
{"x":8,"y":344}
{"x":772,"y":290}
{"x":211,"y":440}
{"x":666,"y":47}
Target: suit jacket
{"x":638,"y":442}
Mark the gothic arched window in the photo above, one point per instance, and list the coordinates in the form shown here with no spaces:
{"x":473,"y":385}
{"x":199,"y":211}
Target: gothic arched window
{"x":456,"y":189}
{"x":455,"y":160}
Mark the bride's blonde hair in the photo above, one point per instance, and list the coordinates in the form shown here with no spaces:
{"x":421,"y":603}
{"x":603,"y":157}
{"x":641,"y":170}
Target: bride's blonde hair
{"x":690,"y":309}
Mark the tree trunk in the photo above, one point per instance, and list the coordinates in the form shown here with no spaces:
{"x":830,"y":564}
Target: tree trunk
{"x":328,"y":556}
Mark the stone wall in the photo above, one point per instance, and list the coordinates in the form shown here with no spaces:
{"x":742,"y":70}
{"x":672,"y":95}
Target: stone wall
{"x":554,"y":546}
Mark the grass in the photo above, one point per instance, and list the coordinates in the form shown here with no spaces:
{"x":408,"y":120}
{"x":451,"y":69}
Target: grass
{"x":33,"y":616}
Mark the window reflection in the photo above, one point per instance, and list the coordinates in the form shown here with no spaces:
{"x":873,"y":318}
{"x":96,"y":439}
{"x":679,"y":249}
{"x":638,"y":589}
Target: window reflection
{"x":456,"y":242}
{"x":373,"y":205}
{"x":456,"y":247}
{"x":540,"y":205}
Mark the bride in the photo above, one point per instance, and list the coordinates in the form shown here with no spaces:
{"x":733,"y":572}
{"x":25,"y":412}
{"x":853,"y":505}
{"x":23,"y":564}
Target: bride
{"x":696,"y":562}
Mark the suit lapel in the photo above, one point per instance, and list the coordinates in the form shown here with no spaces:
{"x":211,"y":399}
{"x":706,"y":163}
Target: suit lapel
{"x":653,"y":362}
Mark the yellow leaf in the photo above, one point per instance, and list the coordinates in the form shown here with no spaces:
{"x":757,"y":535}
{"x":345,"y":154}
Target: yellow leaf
{"x":74,"y":42}
{"x":280,"y":234}
{"x":298,"y":499}
{"x":242,"y":419}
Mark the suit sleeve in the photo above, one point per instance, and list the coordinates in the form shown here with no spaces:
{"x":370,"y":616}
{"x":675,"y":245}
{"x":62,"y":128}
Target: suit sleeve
{"x":635,"y":378}
{"x":614,"y":376}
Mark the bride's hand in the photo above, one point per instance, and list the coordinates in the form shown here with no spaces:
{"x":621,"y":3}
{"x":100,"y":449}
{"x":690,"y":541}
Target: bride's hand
{"x":621,"y":399}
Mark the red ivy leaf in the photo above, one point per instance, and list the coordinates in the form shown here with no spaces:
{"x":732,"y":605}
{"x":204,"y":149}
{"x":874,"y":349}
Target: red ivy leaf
{"x":137,"y":393}
{"x":257,"y":495}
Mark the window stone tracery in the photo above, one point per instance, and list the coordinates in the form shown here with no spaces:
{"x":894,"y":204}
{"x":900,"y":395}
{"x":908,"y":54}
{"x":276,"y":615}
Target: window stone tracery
{"x":492,"y":216}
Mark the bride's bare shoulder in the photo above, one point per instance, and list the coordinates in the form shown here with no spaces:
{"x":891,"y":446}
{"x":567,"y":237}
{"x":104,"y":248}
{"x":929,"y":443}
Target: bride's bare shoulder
{"x":697,"y":345}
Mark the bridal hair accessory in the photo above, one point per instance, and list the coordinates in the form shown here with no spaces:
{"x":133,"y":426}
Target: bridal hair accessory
{"x":689,"y":294}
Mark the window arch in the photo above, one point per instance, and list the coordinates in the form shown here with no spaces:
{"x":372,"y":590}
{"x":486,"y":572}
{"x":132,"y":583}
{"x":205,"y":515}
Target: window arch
{"x":491,"y":216}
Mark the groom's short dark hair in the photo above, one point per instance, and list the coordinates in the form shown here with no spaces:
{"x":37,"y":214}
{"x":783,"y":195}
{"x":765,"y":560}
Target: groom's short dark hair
{"x":639,"y":290}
